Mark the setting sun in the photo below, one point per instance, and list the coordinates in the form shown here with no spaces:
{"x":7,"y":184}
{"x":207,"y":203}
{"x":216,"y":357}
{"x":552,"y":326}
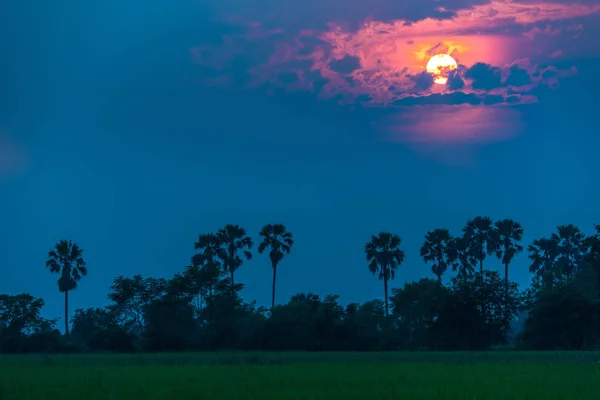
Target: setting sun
{"x":440,"y":66}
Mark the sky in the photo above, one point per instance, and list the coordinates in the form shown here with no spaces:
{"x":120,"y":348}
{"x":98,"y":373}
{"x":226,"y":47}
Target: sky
{"x":132,"y":127}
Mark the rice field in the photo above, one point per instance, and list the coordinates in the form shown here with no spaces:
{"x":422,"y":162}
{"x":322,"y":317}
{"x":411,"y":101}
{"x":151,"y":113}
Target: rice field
{"x":223,"y":375}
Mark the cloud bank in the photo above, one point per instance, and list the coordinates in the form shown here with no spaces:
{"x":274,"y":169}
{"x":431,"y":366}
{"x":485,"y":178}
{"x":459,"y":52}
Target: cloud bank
{"x":504,"y":50}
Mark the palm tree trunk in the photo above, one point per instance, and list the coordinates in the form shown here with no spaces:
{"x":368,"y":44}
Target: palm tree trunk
{"x":273,"y":292}
{"x":385,"y":288}
{"x":506,"y":290}
{"x":232,"y":284}
{"x":67,"y":313}
{"x":483,"y":304}
{"x":201,"y":313}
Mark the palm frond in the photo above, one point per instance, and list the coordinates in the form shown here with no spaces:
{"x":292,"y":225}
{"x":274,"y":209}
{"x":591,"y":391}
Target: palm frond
{"x":66,"y":258}
{"x":262,"y":247}
{"x":384,"y":255}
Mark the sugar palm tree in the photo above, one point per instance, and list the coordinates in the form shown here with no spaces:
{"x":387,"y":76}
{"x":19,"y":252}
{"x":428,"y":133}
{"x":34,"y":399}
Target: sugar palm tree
{"x":66,"y":259}
{"x":543,"y":254}
{"x":480,"y":233}
{"x":508,"y":234}
{"x":436,"y":250}
{"x":571,"y":246}
{"x":384,"y":256}
{"x":233,"y":240}
{"x":592,"y":243}
{"x":461,"y":258}
{"x":280,"y":242}
{"x":210,"y":250}
{"x":591,"y":250}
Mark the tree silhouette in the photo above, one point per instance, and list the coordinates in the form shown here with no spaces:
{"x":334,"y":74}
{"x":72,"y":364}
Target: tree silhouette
{"x":480,"y":233}
{"x":508,"y":234}
{"x":211,"y":251}
{"x":384,"y":256}
{"x":207,"y":265}
{"x":592,"y":244}
{"x":280,"y":242}
{"x":461,"y":258}
{"x":570,"y":241}
{"x":436,"y":249}
{"x":66,"y":259}
{"x":543,"y":254}
{"x":233,"y":240}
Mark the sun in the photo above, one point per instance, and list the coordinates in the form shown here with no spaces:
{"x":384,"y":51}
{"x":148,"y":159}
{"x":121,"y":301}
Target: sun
{"x":440,"y":66}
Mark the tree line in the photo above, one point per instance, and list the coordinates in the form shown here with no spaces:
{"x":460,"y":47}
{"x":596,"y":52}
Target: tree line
{"x":200,"y":308}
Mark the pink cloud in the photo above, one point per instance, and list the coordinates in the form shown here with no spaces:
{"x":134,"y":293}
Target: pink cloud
{"x":448,"y":133}
{"x":501,"y":48}
{"x":447,"y":124}
{"x":389,"y":54}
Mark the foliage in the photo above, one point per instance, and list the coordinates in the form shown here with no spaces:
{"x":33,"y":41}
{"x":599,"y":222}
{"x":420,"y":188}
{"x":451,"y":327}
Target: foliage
{"x":384,"y":256}
{"x":22,"y":327}
{"x":480,"y":234}
{"x":437,"y":249}
{"x":66,"y":259}
{"x":200,"y":307}
{"x":233,"y":243}
{"x":280,"y":242}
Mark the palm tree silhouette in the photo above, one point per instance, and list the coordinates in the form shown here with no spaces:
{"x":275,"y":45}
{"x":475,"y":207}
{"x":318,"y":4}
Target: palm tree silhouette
{"x":233,"y":239}
{"x":461,"y":258}
{"x":384,"y":256}
{"x":276,"y":238}
{"x":570,"y":241}
{"x":480,"y":233}
{"x":543,"y":254}
{"x":436,"y":249}
{"x":65,"y":259}
{"x":207,"y":265}
{"x":508,"y":235}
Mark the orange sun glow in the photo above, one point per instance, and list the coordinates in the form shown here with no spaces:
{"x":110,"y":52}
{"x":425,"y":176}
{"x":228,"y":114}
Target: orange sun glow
{"x":440,"y":66}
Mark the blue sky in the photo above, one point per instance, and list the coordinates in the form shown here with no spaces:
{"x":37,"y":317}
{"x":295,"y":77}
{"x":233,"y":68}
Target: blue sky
{"x":131,"y":129}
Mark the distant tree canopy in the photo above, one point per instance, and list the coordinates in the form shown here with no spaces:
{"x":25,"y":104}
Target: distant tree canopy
{"x":200,"y":308}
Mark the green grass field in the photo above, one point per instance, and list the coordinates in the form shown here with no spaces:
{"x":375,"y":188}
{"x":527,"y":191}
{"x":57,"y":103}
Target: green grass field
{"x":493,"y":375}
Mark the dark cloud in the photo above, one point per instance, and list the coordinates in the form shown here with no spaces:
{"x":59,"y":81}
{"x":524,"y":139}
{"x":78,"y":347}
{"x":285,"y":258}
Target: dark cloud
{"x":315,"y":14}
{"x":484,"y":76}
{"x":513,"y":99}
{"x":307,"y":44}
{"x":493,"y":99}
{"x":346,"y":65}
{"x":423,"y":81}
{"x":288,"y":77}
{"x":517,"y":77}
{"x":381,"y":60}
{"x":549,"y":73}
{"x":455,"y":81}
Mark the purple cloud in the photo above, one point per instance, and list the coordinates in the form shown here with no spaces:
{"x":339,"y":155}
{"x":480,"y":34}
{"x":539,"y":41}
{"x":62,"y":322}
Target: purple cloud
{"x":374,"y":53}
